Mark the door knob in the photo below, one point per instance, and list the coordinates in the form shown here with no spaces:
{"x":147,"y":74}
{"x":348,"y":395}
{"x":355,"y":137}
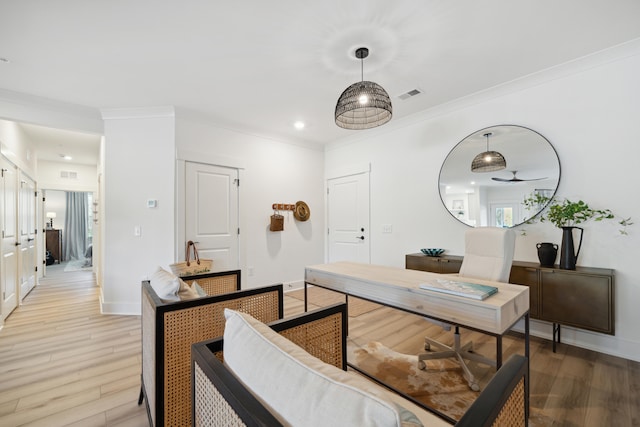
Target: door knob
{"x":360,"y":237}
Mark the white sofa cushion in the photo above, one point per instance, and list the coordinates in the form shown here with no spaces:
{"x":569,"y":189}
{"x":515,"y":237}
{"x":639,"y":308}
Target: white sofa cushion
{"x":300,"y":389}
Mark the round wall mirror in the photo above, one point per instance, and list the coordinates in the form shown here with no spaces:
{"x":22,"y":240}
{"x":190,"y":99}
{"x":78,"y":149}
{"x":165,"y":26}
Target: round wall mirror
{"x":495,"y":198}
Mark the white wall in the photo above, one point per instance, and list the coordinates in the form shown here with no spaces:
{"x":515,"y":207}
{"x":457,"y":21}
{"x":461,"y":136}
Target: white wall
{"x":17,"y":147}
{"x":139,"y":164}
{"x":49,"y":176}
{"x":590,"y":115}
{"x":56,"y":201}
{"x":271,"y":172}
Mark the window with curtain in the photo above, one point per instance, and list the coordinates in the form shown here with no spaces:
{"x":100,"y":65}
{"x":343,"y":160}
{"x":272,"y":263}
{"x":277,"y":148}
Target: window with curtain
{"x":76,"y":235}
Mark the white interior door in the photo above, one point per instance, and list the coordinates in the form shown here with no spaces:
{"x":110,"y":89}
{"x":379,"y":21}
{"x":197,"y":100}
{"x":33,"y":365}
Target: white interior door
{"x":211,"y":213}
{"x":9,"y":255}
{"x":348,"y":216}
{"x":27,"y":228}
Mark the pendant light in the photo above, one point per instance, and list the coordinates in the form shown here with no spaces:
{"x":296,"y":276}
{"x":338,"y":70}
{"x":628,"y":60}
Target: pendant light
{"x":488,"y":161}
{"x":365,"y":104}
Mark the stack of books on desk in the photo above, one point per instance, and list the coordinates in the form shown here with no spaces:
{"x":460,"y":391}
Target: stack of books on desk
{"x":463,"y":289}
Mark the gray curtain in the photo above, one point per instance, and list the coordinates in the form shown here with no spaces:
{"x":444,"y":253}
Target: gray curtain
{"x":76,"y":225}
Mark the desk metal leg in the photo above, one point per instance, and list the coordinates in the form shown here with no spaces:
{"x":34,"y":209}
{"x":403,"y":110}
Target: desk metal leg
{"x":305,"y":297}
{"x":556,"y":335}
{"x":498,"y":352}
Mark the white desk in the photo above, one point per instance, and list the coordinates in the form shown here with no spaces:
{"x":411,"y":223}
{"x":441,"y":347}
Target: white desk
{"x":399,"y":288}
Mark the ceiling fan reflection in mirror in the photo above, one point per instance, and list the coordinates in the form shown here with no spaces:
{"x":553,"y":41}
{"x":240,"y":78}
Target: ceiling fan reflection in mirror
{"x":515,"y":178}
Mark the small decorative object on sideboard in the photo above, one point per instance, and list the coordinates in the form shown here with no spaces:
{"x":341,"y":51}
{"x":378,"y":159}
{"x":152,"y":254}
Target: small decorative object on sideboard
{"x":432,"y":251}
{"x":567,"y":215}
{"x":547,"y":253}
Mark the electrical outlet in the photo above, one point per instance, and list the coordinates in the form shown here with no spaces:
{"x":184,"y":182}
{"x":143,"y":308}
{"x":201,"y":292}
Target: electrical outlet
{"x":387,"y":228}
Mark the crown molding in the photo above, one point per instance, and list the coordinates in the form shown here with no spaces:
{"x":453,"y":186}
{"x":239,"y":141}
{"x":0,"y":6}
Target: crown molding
{"x":26,"y":108}
{"x":137,"y":113}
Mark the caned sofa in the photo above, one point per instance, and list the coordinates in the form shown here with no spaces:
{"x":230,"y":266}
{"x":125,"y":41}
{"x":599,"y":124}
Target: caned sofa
{"x":292,"y":372}
{"x":169,"y":329}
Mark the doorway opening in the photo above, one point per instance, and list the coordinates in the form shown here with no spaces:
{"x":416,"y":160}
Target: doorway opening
{"x":68,"y":230}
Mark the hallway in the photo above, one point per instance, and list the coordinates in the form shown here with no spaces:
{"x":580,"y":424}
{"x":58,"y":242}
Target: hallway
{"x":63,"y":363}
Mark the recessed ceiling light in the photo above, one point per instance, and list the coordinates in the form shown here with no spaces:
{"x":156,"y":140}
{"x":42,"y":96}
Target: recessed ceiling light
{"x":299,"y":125}
{"x":66,"y":157}
{"x":5,"y":60}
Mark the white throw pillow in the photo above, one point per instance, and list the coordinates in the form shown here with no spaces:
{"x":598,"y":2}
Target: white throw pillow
{"x":166,"y":285}
{"x":298,"y":388}
{"x":201,"y":292}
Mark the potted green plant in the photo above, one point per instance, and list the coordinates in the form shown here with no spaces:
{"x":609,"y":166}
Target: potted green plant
{"x":567,"y":214}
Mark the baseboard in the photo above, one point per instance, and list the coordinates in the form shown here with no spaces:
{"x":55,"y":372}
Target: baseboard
{"x":292,"y":286}
{"x":125,"y":309}
{"x":602,"y":343}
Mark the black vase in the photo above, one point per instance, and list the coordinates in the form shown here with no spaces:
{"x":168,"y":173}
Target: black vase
{"x":547,"y":253}
{"x":568,"y":256}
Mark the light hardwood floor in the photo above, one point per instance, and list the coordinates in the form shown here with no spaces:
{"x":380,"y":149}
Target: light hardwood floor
{"x":62,"y":363}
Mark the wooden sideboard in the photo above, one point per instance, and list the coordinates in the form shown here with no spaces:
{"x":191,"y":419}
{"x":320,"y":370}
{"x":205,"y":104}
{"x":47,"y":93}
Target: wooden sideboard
{"x":582,"y":298}
{"x":54,"y":244}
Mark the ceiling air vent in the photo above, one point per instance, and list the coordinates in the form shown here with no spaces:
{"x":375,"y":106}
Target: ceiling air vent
{"x":412,"y":92}
{"x":68,"y":175}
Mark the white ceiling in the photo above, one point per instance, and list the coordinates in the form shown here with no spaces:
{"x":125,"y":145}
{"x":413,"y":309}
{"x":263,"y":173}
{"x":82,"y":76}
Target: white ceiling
{"x":261,"y":65}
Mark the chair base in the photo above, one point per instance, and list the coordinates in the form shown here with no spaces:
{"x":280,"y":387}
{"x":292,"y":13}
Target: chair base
{"x":457,"y":351}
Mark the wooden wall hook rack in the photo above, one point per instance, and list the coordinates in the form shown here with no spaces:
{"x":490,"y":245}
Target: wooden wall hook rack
{"x":283,"y":207}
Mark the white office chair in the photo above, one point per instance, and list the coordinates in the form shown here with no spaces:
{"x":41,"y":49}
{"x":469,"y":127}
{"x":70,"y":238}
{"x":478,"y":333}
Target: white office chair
{"x":488,"y":255}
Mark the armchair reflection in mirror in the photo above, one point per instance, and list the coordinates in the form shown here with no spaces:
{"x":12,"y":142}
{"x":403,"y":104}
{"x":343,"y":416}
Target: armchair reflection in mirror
{"x":495,"y":198}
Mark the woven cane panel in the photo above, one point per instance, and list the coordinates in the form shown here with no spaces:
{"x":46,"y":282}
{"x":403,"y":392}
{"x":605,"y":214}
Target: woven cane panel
{"x":321,"y":338}
{"x":148,"y":354}
{"x":263,"y":307}
{"x":512,"y":413}
{"x":211,"y":409}
{"x":217,"y":285}
{"x":191,"y":325}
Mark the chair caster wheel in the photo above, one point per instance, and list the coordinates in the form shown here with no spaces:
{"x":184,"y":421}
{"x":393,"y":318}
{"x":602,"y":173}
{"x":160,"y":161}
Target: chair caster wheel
{"x":474,"y":387}
{"x":421,"y":365}
{"x":427,"y":346}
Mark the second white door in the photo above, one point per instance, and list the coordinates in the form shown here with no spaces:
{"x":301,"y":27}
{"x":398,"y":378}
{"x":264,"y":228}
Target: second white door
{"x":211,"y":213}
{"x":348,"y":217}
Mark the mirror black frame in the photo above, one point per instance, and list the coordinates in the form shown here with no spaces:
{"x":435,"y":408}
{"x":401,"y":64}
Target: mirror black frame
{"x":470,"y":145}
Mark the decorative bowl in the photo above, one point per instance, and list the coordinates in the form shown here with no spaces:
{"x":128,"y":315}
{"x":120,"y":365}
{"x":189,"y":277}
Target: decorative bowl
{"x":432,"y":251}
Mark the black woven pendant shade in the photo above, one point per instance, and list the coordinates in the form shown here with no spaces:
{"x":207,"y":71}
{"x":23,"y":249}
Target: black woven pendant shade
{"x":363,"y":105}
{"x":488,"y":161}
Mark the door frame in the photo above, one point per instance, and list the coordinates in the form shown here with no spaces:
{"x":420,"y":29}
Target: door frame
{"x":184,"y":156}
{"x":342,"y":172}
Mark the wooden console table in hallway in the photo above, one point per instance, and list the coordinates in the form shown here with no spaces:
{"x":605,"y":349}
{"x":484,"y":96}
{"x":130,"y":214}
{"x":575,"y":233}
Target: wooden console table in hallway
{"x":54,"y":244}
